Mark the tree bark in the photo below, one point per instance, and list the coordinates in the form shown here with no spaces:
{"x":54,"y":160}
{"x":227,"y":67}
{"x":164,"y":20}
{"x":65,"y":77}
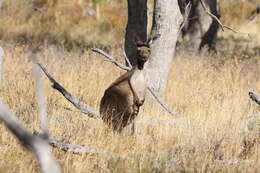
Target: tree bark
{"x":166,"y":22}
{"x":201,"y":30}
{"x":136,"y":28}
{"x":165,"y":29}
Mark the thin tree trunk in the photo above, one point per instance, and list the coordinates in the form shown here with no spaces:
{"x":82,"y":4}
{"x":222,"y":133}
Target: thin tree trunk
{"x":136,"y":28}
{"x":165,"y":29}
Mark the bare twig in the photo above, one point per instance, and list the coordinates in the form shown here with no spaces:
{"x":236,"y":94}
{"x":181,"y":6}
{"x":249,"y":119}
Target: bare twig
{"x":164,"y":106}
{"x":159,"y":100}
{"x":38,"y":145}
{"x":127,"y":61}
{"x":41,"y":101}
{"x":84,"y":108}
{"x":111,"y":59}
{"x":72,"y":110}
{"x":254,"y":96}
{"x":219,"y":22}
{"x":185,"y":17}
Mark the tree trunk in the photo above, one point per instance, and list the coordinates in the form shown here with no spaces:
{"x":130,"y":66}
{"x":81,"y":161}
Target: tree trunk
{"x":136,"y":28}
{"x":201,"y":30}
{"x":166,"y":21}
{"x":165,"y":29}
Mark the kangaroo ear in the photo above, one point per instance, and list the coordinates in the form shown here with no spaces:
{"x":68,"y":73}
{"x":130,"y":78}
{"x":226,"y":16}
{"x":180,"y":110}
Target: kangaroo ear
{"x":142,"y":43}
{"x":139,"y":43}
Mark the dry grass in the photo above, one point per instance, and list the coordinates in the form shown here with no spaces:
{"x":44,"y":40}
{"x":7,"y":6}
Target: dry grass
{"x":235,"y":14}
{"x":63,"y":23}
{"x":210,"y":93}
{"x":218,"y":129}
{"x":66,"y":23}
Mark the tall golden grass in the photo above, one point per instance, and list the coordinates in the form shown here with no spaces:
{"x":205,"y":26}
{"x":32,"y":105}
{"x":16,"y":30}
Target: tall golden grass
{"x":63,"y":23}
{"x":210,"y":134}
{"x":217,"y":129}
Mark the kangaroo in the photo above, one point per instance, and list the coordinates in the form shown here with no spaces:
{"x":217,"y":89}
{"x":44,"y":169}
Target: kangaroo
{"x":123,"y":98}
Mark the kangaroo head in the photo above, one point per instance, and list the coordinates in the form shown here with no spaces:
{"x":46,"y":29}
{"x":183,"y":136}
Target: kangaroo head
{"x":143,"y":51}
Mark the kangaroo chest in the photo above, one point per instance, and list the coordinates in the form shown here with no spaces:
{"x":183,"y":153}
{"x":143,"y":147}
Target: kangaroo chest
{"x":139,"y":83}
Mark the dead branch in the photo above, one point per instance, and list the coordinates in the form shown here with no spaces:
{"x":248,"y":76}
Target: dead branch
{"x":84,"y":108}
{"x":157,"y":98}
{"x":254,"y":96}
{"x":41,"y":101}
{"x":74,"y":148}
{"x":39,"y":145}
{"x":219,"y":22}
{"x":111,"y":59}
{"x":185,"y":17}
{"x":82,"y":149}
{"x":79,"y":149}
{"x":127,"y":61}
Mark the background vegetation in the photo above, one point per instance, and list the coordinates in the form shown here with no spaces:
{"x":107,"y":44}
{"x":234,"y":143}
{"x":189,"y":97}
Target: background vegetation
{"x":218,"y":127}
{"x":84,"y":23}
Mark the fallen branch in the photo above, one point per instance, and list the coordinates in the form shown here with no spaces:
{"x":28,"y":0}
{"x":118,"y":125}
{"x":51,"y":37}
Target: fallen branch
{"x":84,"y":108}
{"x":118,"y":64}
{"x":82,"y":149}
{"x":219,"y":22}
{"x":39,"y":145}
